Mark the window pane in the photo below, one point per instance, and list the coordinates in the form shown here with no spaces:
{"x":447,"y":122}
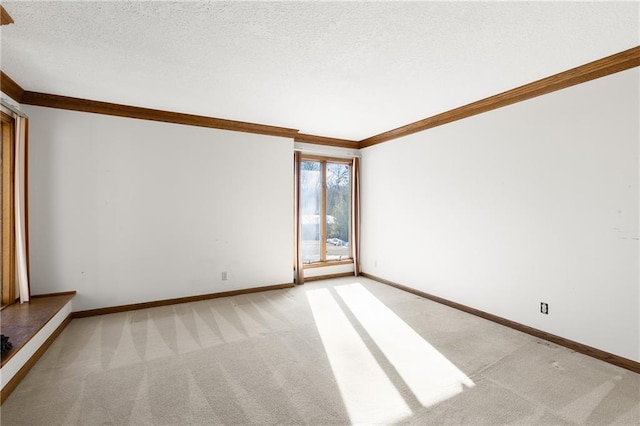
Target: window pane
{"x":310,"y":210}
{"x":338,"y":211}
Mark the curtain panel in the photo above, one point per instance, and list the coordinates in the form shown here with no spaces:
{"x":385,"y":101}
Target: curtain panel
{"x":20,"y":209}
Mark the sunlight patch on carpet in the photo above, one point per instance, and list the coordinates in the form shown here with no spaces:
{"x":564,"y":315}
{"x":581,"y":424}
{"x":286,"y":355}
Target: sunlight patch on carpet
{"x":430,"y":375}
{"x":368,"y":394}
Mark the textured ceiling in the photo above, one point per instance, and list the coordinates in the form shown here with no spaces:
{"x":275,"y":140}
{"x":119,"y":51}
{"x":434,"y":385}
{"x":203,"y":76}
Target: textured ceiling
{"x":345,"y":69}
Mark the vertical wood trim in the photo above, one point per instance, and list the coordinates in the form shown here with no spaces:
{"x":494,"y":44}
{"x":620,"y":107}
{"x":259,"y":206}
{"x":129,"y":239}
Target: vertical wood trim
{"x":323,"y":212}
{"x":8,"y":266}
{"x":355,"y":215}
{"x":297,"y":251}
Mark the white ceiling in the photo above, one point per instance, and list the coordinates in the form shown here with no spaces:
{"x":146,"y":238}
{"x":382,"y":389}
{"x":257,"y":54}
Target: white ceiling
{"x":345,"y":69}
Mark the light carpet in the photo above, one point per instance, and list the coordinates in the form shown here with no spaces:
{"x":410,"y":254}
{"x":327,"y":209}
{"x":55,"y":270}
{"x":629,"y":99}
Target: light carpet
{"x":342,"y":351}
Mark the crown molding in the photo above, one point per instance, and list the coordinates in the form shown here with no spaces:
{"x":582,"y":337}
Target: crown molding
{"x":97,"y":107}
{"x":5,"y":18}
{"x":612,"y":64}
{"x":602,"y":67}
{"x":10,"y":87}
{"x":322,"y":140}
{"x":106,"y":108}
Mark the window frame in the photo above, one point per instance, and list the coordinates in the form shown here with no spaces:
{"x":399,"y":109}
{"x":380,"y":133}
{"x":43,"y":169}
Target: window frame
{"x":323,"y":160}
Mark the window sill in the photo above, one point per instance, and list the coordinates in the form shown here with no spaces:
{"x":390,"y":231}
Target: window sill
{"x":327,"y":263}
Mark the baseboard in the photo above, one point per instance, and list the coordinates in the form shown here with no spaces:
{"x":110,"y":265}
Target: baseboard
{"x":578,"y":347}
{"x":165,"y":302}
{"x":17,"y":378}
{"x":59,"y":293}
{"x":329,"y":276}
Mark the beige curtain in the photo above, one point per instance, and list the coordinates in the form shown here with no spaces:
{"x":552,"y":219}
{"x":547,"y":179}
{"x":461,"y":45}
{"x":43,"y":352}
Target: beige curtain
{"x":355,"y":216}
{"x":20,"y":198}
{"x":298,"y":267}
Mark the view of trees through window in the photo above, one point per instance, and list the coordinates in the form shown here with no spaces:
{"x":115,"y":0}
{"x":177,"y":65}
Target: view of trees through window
{"x":325,"y":211}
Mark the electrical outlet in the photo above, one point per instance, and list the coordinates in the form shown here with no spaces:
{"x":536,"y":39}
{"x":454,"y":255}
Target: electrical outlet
{"x":544,"y":308}
{"x":224,"y":276}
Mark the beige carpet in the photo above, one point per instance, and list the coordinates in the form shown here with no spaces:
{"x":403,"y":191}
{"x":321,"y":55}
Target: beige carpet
{"x":344,"y":351}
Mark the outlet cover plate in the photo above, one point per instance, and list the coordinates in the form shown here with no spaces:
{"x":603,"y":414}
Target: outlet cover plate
{"x":544,"y":308}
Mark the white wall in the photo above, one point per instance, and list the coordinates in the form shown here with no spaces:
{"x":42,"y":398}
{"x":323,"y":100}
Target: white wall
{"x":535,"y":202}
{"x":126,"y":211}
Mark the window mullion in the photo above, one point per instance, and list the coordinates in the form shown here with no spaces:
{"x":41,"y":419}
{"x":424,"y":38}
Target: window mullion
{"x":323,"y":214}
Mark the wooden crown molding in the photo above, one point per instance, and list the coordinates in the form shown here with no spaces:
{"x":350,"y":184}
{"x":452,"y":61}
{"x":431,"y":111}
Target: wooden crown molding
{"x":321,"y":140}
{"x":86,"y":105}
{"x":5,"y":18}
{"x":10,"y":87}
{"x":602,"y":67}
{"x":612,"y":64}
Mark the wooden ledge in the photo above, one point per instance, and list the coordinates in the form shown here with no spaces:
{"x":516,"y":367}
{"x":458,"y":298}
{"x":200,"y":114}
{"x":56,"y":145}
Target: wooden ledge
{"x":21,"y":321}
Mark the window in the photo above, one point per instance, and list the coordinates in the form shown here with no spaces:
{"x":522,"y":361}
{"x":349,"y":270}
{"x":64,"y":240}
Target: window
{"x":7,"y":230}
{"x":325,"y":209}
